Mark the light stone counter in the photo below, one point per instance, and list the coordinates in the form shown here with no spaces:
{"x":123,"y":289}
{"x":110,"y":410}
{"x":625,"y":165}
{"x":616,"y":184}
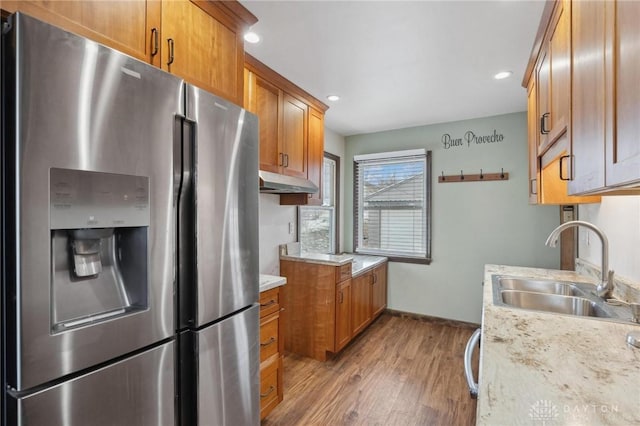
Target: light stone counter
{"x":320,"y":258}
{"x":539,"y":368}
{"x":362,"y":263}
{"x":267,"y":282}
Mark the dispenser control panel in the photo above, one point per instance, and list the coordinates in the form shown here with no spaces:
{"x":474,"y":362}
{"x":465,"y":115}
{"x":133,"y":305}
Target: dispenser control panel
{"x":81,"y":199}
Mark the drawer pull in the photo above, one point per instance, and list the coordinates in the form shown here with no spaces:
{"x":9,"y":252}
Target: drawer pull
{"x":269,"y":303}
{"x":271,"y":341}
{"x":269,"y":392}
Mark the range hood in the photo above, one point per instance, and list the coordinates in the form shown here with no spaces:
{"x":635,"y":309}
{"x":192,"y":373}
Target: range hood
{"x":274,"y":183}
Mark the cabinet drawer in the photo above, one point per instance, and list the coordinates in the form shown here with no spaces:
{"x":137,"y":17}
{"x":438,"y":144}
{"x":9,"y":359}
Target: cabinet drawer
{"x":269,"y":302}
{"x":343,"y":272}
{"x":269,"y":327}
{"x":270,"y":385}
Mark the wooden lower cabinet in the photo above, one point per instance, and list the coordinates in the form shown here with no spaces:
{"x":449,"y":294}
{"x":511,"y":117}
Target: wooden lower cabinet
{"x":379,"y":290}
{"x":361,"y":302}
{"x":343,"y":315}
{"x":271,"y":351}
{"x":326,"y":308}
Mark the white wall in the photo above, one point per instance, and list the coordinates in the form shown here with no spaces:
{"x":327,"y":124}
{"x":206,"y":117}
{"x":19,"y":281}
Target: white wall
{"x":275,"y":219}
{"x":274,"y":230}
{"x":619,"y":218}
{"x":334,"y":144}
{"x":473,"y":223}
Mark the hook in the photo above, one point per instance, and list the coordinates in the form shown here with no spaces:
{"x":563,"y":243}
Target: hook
{"x":443,"y":178}
{"x":461,"y":175}
{"x":481,"y":175}
{"x":501,"y":172}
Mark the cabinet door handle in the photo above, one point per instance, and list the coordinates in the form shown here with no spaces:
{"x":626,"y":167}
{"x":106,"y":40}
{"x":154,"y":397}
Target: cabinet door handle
{"x":341,"y":296}
{"x":267,"y":393}
{"x":286,"y":160}
{"x":171,"y":58}
{"x":154,"y":36}
{"x":534,"y":187}
{"x":543,"y":122}
{"x":271,"y":341}
{"x":269,"y":303}
{"x":281,"y":155}
{"x":561,"y":164}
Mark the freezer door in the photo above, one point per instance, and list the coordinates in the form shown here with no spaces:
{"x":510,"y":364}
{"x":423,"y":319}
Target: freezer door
{"x":220,"y":372}
{"x":90,"y":135}
{"x":135,"y":391}
{"x":224,"y":164}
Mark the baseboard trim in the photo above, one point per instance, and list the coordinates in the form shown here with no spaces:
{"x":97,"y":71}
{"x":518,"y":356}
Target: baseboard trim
{"x":435,"y":320}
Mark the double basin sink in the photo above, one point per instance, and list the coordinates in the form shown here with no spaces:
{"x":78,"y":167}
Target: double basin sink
{"x":560,"y":297}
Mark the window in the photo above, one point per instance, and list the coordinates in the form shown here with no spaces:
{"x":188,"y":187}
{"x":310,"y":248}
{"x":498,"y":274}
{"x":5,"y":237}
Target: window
{"x":392,"y":205}
{"x":318,"y":230}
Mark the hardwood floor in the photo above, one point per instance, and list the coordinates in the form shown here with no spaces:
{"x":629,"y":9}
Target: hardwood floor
{"x":400,"y":371}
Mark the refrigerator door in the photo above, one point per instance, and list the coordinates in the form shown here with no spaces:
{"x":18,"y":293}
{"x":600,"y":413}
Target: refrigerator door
{"x":220,"y":378}
{"x":135,"y":391}
{"x":90,"y":232}
{"x":224,"y":165}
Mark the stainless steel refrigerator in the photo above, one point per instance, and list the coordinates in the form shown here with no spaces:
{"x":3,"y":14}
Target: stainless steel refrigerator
{"x":130,"y":270}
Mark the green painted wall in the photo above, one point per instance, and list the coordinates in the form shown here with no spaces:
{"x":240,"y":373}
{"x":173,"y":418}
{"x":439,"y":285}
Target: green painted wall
{"x":473,"y":223}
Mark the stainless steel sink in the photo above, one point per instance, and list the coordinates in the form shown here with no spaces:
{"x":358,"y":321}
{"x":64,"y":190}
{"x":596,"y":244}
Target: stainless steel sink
{"x":540,"y":286}
{"x":557,"y":303}
{"x":561,"y":297}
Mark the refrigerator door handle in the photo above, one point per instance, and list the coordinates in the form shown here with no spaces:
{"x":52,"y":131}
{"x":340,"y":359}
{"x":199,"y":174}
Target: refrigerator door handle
{"x":178,"y":124}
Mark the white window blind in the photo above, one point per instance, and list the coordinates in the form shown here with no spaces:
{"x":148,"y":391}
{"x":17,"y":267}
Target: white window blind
{"x":392,"y":205}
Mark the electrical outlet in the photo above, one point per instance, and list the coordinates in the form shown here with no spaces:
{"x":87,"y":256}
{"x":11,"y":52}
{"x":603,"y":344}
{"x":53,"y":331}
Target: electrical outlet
{"x":291,"y":229}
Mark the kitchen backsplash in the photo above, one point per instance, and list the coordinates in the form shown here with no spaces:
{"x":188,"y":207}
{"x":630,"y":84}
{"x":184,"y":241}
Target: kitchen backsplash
{"x":275,"y":223}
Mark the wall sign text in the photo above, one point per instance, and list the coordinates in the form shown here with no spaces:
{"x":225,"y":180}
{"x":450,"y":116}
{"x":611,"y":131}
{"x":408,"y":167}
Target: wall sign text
{"x":470,"y":138}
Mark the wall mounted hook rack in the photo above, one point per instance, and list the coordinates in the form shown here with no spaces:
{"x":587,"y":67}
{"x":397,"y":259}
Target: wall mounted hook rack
{"x":473,"y":178}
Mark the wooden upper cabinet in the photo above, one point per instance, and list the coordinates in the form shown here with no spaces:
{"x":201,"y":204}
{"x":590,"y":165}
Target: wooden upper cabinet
{"x":201,"y":44}
{"x":294,"y":137}
{"x":623,"y":106}
{"x":532,"y":137}
{"x":266,"y":104}
{"x":198,"y":40}
{"x":130,"y":26}
{"x":553,"y":78}
{"x":588,"y":100}
{"x":316,"y":153}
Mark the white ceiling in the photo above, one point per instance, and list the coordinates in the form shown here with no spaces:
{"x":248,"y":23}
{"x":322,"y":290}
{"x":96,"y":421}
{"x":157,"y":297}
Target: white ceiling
{"x":399,"y":64}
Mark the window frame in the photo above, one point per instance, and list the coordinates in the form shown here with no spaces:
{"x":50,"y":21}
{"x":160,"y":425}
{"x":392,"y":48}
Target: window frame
{"x":358,"y":209}
{"x":335,"y":217}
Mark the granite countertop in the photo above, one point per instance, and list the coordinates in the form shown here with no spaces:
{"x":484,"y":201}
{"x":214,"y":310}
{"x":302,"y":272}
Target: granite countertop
{"x":362,"y":263}
{"x":320,"y":258}
{"x":267,"y":282}
{"x":545,"y":368}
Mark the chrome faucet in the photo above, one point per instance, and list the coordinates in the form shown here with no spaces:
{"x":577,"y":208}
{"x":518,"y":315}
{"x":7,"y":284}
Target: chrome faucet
{"x":605,"y":287}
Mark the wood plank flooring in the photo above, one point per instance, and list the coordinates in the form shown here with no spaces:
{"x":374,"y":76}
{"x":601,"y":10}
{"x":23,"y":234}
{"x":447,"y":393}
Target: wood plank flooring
{"x":400,"y":371}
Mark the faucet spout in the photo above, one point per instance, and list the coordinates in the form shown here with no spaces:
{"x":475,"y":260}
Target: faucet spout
{"x":605,"y":287}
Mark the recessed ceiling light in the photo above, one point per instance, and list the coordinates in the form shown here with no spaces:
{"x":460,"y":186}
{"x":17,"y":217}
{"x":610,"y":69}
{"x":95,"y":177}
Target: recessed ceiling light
{"x":251,"y":37}
{"x":502,"y":74}
{"x":333,"y":98}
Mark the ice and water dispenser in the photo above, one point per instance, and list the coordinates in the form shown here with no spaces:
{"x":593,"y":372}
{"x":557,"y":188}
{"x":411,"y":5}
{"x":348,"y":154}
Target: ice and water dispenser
{"x":99,"y":246}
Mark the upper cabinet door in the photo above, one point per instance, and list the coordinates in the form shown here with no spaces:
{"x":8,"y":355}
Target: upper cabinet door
{"x":623,"y":108}
{"x":316,"y":153}
{"x":268,"y":107}
{"x":128,"y":26}
{"x":588,"y":95}
{"x":532,"y":127}
{"x":199,"y":45}
{"x":294,"y":136}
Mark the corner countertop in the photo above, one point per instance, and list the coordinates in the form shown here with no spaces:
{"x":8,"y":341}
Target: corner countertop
{"x":539,"y":367}
{"x":362,"y":263}
{"x":320,"y":258}
{"x":267,"y":282}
